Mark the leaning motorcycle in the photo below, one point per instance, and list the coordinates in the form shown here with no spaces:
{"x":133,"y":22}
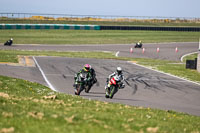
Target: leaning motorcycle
{"x":138,"y":45}
{"x":113,"y":86}
{"x":82,"y":84}
{"x":8,"y":43}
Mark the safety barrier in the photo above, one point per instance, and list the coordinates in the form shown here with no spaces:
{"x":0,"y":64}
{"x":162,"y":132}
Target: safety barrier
{"x":50,"y":26}
{"x":94,"y":27}
{"x":196,"y":29}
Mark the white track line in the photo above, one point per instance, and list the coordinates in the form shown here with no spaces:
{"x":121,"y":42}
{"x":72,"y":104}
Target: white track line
{"x":117,"y":54}
{"x":187,"y":55}
{"x":45,"y":78}
{"x":165,"y":73}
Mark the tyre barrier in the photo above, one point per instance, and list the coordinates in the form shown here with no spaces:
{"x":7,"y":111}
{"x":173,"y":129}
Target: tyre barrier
{"x":50,"y":26}
{"x":191,"y":64}
{"x":94,"y":27}
{"x":194,"y":29}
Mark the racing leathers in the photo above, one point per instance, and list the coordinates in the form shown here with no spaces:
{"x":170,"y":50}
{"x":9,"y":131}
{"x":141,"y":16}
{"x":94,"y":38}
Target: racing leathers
{"x":77,"y":77}
{"x":139,"y":44}
{"x":9,"y":42}
{"x":119,"y":76}
{"x":93,"y":74}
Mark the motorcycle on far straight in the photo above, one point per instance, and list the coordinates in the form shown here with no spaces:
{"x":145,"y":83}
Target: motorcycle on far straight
{"x":82,"y":84}
{"x":9,"y":42}
{"x":138,"y":45}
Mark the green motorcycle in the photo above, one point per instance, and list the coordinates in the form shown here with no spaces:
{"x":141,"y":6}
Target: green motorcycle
{"x":82,"y":84}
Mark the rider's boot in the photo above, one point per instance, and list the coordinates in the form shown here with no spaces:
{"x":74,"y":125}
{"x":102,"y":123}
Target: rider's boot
{"x":107,"y":95}
{"x":75,"y":91}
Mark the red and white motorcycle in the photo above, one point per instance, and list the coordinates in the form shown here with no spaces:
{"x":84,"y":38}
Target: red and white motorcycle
{"x":114,"y":84}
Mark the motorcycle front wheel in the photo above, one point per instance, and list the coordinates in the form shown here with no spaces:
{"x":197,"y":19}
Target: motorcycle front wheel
{"x":79,"y":88}
{"x":113,"y":90}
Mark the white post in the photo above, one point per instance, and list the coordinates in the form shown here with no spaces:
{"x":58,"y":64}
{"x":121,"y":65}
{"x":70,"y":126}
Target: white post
{"x":199,"y":43}
{"x":198,"y":58}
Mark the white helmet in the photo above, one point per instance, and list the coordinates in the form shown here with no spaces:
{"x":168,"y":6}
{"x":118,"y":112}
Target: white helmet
{"x":11,"y":39}
{"x":119,"y":70}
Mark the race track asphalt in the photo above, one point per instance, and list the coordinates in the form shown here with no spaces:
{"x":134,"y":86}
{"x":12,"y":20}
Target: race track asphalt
{"x":167,"y":50}
{"x":146,"y":87}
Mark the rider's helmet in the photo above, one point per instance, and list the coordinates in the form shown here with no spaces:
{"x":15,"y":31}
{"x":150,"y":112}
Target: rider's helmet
{"x":86,"y":67}
{"x":140,"y":41}
{"x":119,"y":70}
{"x":11,"y":39}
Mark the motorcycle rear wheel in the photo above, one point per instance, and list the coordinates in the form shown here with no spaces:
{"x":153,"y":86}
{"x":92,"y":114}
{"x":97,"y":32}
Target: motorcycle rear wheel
{"x":87,"y":88}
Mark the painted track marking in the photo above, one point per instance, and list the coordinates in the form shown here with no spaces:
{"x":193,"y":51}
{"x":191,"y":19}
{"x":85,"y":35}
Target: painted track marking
{"x":117,"y":54}
{"x":44,"y":76}
{"x":187,"y":55}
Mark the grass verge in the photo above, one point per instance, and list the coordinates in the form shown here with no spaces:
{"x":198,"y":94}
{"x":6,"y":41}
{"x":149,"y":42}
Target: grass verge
{"x":190,"y":57}
{"x":30,"y":107}
{"x":11,"y":55}
{"x":95,"y":37}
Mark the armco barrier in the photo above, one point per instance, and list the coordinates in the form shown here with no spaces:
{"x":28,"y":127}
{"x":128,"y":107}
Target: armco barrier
{"x":196,"y":29}
{"x":50,"y":26}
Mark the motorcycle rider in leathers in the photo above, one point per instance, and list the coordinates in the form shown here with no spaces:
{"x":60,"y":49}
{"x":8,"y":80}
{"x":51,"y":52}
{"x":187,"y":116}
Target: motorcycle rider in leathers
{"x":120,"y":76}
{"x":93,"y":73}
{"x":91,"y":76}
{"x":139,"y":44}
{"x":9,"y":42}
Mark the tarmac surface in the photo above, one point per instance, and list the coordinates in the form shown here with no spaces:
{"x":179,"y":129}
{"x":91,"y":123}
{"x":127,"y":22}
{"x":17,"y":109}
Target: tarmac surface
{"x":167,"y":50}
{"x":146,"y":87}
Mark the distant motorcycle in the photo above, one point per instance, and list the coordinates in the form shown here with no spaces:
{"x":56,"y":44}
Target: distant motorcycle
{"x":82,"y":84}
{"x":113,"y":86}
{"x":9,"y":42}
{"x":138,"y":45}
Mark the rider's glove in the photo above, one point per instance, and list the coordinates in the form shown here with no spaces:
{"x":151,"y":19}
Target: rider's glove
{"x":107,"y":80}
{"x":122,"y":86}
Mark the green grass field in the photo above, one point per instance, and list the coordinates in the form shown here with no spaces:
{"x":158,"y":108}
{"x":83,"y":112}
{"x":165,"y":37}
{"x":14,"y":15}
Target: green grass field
{"x":29,"y":108}
{"x":144,"y":23}
{"x":95,"y":37}
{"x":190,"y":57}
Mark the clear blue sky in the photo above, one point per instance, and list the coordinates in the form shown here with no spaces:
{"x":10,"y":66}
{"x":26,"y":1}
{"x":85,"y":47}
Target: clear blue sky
{"x":165,"y":8}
